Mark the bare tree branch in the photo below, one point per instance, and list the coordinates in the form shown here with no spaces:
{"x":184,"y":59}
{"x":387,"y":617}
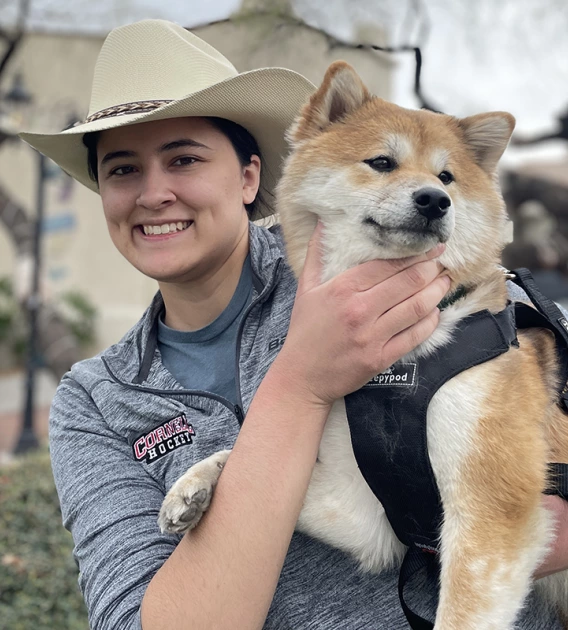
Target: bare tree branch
{"x":14,"y":39}
{"x":285,"y":18}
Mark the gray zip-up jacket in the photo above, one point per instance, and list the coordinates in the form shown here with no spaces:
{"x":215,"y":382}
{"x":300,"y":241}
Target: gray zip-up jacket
{"x":122,"y":430}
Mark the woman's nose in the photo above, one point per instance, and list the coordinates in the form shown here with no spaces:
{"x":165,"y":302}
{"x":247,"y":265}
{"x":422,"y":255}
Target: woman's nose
{"x":155,"y":191}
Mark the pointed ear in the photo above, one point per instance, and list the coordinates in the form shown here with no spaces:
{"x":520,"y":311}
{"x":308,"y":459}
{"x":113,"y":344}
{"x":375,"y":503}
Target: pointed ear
{"x":341,"y":93}
{"x":488,"y":135}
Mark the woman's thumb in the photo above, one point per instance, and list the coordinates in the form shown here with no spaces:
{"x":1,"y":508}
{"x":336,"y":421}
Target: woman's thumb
{"x":312,"y":272}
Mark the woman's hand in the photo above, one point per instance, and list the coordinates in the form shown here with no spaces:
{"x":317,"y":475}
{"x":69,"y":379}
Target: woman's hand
{"x":348,"y":329}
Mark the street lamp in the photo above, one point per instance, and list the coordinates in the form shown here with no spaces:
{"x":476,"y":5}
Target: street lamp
{"x":17,"y":100}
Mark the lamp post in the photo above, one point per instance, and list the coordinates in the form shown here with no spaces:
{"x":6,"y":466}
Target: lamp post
{"x":16,"y":100}
{"x":28,"y":439}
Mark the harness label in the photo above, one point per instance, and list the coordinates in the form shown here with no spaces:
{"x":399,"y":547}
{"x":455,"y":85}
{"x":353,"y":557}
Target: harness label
{"x":163,"y":439}
{"x":398,"y":375}
{"x":563,"y":323}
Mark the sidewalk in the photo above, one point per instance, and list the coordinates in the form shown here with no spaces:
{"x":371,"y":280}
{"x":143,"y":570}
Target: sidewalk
{"x":12,"y":386}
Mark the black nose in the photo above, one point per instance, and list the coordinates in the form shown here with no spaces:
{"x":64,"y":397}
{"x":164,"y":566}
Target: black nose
{"x":431,"y":202}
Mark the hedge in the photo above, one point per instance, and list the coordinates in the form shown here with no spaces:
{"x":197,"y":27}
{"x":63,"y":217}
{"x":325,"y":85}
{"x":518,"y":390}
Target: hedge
{"x":38,"y":576}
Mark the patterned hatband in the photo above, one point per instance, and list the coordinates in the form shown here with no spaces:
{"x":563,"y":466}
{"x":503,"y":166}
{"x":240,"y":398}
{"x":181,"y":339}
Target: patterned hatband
{"x":137,"y":107}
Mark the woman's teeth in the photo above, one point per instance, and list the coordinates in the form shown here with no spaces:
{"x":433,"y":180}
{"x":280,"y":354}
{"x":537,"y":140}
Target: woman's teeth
{"x":166,"y":228}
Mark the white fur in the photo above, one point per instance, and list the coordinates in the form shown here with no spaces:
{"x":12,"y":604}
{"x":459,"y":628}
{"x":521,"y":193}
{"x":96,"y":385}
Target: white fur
{"x":340,"y":508}
{"x":439,"y":159}
{"x":399,"y":146}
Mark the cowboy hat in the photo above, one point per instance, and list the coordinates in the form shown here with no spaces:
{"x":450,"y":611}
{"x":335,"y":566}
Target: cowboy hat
{"x":154,"y":69}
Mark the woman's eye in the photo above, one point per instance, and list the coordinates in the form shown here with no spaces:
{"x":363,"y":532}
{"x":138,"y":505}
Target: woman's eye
{"x":446,"y":177}
{"x":184,"y":161}
{"x":382,"y":163}
{"x":122,"y":170}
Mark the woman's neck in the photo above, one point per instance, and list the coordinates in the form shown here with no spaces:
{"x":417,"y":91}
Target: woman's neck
{"x":194,"y":305}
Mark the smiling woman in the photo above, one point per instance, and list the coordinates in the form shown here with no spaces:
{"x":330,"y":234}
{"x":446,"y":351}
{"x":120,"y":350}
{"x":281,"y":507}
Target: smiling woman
{"x":178,"y":143}
{"x":179,"y":170}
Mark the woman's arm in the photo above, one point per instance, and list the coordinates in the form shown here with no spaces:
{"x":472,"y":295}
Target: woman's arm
{"x":223,"y":575}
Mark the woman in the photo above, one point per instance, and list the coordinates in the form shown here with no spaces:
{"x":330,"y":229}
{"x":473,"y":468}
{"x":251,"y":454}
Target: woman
{"x":223,"y":338}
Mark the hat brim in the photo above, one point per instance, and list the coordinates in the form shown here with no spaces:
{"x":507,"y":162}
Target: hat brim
{"x":263,"y":101}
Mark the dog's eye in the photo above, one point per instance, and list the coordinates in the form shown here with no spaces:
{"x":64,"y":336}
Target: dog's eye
{"x":446,"y":177}
{"x":382,"y":163}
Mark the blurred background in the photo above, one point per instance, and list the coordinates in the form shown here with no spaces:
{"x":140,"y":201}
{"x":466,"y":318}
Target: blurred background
{"x":65,"y":293}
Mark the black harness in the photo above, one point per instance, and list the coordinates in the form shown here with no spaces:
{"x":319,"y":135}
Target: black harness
{"x":387,"y":420}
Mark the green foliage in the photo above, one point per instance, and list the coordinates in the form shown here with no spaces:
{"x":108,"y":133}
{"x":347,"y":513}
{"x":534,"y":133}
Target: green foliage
{"x":80,"y":315}
{"x":73,"y":307}
{"x":8,"y":309}
{"x":38,"y":576}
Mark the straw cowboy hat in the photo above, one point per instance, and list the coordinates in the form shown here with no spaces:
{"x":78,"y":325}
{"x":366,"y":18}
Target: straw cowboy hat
{"x":153,"y":69}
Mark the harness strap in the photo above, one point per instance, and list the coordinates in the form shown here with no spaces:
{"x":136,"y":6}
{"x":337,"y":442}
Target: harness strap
{"x":549,"y":316}
{"x":414,"y":561}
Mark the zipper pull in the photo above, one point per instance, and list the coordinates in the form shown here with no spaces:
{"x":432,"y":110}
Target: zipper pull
{"x":239,"y":413}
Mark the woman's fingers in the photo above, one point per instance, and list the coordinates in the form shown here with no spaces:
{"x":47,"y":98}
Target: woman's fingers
{"x":370,"y":274}
{"x":408,"y":339}
{"x":406,"y":284}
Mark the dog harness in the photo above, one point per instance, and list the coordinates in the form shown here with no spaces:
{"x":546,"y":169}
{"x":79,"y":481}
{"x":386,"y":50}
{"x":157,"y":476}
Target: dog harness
{"x":387,"y":421}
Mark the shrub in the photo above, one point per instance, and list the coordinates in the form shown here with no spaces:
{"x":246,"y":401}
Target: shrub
{"x":38,"y":576}
{"x":74,"y":308}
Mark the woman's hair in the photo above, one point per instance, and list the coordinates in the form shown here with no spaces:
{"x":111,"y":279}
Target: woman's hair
{"x":242,"y":141}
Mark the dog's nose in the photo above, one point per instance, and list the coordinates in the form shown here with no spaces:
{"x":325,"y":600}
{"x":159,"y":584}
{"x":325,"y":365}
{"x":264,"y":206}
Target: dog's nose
{"x":432,"y":203}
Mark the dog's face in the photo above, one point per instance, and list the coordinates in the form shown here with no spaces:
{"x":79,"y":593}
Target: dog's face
{"x":389,"y":182}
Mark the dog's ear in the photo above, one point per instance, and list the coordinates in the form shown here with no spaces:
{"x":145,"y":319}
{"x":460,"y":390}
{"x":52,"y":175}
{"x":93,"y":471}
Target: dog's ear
{"x":488,"y":135}
{"x":341,"y":93}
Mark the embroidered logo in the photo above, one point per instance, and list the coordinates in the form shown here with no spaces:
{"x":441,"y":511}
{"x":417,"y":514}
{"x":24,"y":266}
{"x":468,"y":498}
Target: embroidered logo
{"x":398,"y":375}
{"x":163,"y":439}
{"x":276,"y":344}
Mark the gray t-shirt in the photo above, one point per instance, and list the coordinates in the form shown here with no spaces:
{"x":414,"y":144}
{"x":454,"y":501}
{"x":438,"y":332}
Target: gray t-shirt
{"x":204,"y":359}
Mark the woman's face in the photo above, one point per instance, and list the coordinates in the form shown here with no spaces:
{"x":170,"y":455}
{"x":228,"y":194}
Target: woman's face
{"x":173,"y":194}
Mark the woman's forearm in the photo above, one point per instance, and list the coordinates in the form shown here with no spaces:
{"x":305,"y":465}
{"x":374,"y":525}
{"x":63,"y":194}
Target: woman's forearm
{"x":224,"y":573}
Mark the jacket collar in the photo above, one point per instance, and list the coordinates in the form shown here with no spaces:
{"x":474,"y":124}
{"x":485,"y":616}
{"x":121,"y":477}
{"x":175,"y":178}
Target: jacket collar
{"x":135,"y":358}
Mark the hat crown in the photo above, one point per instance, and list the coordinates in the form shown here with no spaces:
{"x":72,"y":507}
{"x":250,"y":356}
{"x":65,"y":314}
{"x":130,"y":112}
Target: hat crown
{"x":154,"y":60}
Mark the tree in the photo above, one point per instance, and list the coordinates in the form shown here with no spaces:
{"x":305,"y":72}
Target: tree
{"x":57,"y":345}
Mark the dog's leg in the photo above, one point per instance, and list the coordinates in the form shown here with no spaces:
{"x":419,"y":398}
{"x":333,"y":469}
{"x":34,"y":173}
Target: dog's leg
{"x":488,"y":451}
{"x":487,"y":565}
{"x":189,"y":497}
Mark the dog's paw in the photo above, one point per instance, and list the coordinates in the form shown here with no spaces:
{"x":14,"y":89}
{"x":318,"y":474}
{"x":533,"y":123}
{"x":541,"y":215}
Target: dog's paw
{"x":184,"y":505}
{"x":190,"y":496}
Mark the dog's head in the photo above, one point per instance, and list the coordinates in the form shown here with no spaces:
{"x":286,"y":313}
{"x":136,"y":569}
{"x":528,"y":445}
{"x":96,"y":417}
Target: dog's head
{"x":389,"y":182}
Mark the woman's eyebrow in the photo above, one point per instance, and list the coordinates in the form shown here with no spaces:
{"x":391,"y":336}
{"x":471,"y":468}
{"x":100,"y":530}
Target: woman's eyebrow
{"x":182,"y":142}
{"x":113,"y":155}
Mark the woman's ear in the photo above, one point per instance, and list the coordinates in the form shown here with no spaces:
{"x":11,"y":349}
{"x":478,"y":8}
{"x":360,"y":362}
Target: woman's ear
{"x":251,"y":179}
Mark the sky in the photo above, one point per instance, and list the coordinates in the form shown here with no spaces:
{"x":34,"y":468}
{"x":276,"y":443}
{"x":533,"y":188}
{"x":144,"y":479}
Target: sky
{"x":100,"y":16}
{"x":478,"y":56}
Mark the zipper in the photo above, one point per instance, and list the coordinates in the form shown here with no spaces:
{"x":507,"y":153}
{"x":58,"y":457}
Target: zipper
{"x":237,"y":409}
{"x":268,"y":288}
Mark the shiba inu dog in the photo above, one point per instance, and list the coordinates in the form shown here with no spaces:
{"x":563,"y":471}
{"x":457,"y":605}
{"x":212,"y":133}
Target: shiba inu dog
{"x":387,"y":182}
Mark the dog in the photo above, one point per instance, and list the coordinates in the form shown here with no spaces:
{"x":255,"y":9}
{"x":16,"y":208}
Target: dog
{"x":388,"y":182}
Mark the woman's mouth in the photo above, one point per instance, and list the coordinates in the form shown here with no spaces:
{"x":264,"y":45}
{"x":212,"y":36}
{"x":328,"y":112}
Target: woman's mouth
{"x":164,"y":228}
